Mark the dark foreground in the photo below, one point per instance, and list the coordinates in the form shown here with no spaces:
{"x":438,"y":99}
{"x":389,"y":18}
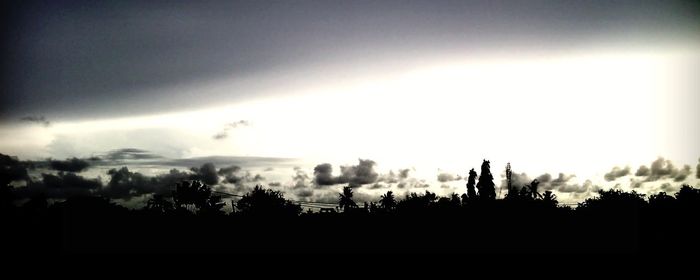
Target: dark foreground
{"x":610,"y":224}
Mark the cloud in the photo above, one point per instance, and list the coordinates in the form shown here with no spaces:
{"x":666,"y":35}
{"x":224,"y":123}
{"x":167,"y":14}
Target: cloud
{"x":206,"y":173}
{"x":576,"y":188}
{"x":69,"y":165}
{"x":354,"y":175}
{"x":411,"y":184}
{"x":61,"y":185}
{"x":38,"y":120}
{"x":235,"y":175}
{"x":642,"y":171}
{"x":323,"y":175}
{"x":562,"y":180}
{"x":447,"y":177}
{"x":662,"y":169}
{"x":227,"y":127}
{"x":358,"y":175}
{"x":635,"y":184}
{"x":125,"y":184}
{"x":403,"y":173}
{"x":617,"y":172}
{"x":275,"y":184}
{"x":393,"y":178}
{"x":130,"y":154}
{"x":304,"y":193}
{"x":548,"y":183}
{"x":376,"y":186}
{"x":682,"y":174}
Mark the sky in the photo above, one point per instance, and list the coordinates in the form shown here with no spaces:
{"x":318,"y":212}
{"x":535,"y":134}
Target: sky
{"x":435,"y":87}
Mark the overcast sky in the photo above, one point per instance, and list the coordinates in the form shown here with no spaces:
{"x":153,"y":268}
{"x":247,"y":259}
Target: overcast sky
{"x":552,"y":86}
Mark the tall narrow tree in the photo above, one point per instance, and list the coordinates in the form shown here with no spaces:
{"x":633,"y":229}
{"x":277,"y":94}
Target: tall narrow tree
{"x":471,"y":192}
{"x":486,"y":187}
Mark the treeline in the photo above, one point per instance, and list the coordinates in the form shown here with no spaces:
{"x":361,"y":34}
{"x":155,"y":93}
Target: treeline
{"x":192,"y":219}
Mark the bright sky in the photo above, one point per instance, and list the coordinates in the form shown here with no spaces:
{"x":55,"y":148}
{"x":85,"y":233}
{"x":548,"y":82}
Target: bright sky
{"x":576,"y":112}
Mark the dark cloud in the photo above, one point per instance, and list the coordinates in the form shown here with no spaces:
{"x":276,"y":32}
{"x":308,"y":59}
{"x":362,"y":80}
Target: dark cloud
{"x":358,"y":175}
{"x":642,"y":171}
{"x":545,"y":178}
{"x":224,"y":171}
{"x":547,"y":182}
{"x":662,"y":169}
{"x":275,"y":184}
{"x":38,"y":120}
{"x":237,"y":176}
{"x":682,"y":174}
{"x":130,"y":154}
{"x":88,"y":57}
{"x":303,"y":192}
{"x":206,"y":173}
{"x":377,"y":186}
{"x":354,"y":175}
{"x":69,"y":165}
{"x":125,"y":184}
{"x":227,"y":127}
{"x":447,"y":177}
{"x":61,"y":185}
{"x":403,"y":173}
{"x":69,"y":180}
{"x":617,"y":172}
{"x":323,"y":175}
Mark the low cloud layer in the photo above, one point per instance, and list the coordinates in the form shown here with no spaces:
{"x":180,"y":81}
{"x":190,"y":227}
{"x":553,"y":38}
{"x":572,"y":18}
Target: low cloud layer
{"x":61,"y":185}
{"x":447,"y":177}
{"x":69,"y":165}
{"x":354,"y":175}
{"x":41,"y":120}
{"x":130,"y":154}
{"x":662,"y":169}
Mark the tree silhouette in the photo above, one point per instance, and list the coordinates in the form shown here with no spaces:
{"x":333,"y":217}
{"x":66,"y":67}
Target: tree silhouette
{"x":159,"y":204}
{"x":486,"y":187}
{"x":532,"y":188}
{"x":387,"y":201}
{"x":266,"y":202}
{"x":550,"y":199}
{"x":345,"y":201}
{"x":471,"y":192}
{"x":195,"y":195}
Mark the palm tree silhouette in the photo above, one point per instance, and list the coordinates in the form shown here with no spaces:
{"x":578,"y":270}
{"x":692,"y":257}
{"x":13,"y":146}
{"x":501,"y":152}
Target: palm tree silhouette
{"x":345,"y":200}
{"x":387,"y":201}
